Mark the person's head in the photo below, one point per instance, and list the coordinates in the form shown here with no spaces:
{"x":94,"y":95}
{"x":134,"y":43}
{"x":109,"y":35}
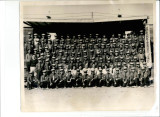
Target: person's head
{"x":33,"y":57}
{"x":119,"y":35}
{"x":92,"y":72}
{"x":53,"y":70}
{"x":140,"y":51}
{"x":144,"y":64}
{"x":35,"y":35}
{"x":44,"y":72}
{"x":97,"y":35}
{"x":117,"y":70}
{"x":74,"y":67}
{"x":100,"y":71}
{"x":79,"y":36}
{"x":39,"y":59}
{"x":108,"y":70}
{"x":35,"y":50}
{"x":49,"y":41}
{"x":80,"y":67}
{"x":29,"y":51}
{"x":86,"y":65}
{"x":61,"y":71}
{"x":125,"y":69}
{"x":49,"y":36}
{"x":78,"y":71}
{"x":138,"y":65}
{"x":133,"y":69}
{"x":69,"y":72}
{"x":43,"y":35}
{"x":85,"y":72}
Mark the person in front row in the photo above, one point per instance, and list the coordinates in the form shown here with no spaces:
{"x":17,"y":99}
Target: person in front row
{"x":108,"y":77}
{"x":30,"y":80}
{"x":125,"y":75}
{"x":85,"y":79}
{"x":117,"y":78}
{"x":44,"y":80}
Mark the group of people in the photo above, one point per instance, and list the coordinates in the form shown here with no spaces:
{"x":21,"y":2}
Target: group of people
{"x":85,"y":61}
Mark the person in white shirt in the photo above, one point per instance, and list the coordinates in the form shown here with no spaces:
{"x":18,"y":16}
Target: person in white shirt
{"x":36,"y":39}
{"x":73,"y":71}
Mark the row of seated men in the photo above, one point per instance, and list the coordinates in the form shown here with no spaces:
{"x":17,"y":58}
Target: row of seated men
{"x":90,"y":77}
{"x":142,"y":74}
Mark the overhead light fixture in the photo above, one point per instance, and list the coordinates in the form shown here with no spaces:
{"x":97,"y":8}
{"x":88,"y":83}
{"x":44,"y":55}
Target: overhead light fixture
{"x":48,"y":17}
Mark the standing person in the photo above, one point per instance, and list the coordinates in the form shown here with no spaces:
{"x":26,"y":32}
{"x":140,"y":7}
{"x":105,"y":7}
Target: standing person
{"x":138,"y":71}
{"x":102,"y":79}
{"x":117,"y":78}
{"x":146,"y":75}
{"x":52,"y":78}
{"x":132,"y":76}
{"x":36,"y":39}
{"x":44,"y":80}
{"x":29,"y":80}
{"x":39,"y":68}
{"x":78,"y":78}
{"x":68,"y":79}
{"x":125,"y":77}
{"x":93,"y":78}
{"x":62,"y":79}
{"x":99,"y":78}
{"x":108,"y":78}
{"x":33,"y":64}
{"x":85,"y":79}
{"x":28,"y":59}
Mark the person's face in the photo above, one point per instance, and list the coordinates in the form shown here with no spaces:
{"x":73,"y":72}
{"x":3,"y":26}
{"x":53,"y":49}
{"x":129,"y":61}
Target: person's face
{"x":117,"y":71}
{"x":69,"y":73}
{"x":33,"y":57}
{"x":43,"y":36}
{"x":29,"y":51}
{"x":80,"y":67}
{"x":138,"y":65}
{"x":74,"y":67}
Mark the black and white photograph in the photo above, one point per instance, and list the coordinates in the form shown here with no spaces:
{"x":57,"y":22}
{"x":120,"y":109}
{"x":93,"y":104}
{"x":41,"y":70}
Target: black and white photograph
{"x":87,"y":56}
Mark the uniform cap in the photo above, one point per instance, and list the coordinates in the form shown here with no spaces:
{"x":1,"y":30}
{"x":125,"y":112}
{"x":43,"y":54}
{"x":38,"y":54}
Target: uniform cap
{"x":44,"y":71}
{"x":43,"y":34}
{"x":35,"y":33}
{"x":29,"y":33}
{"x":52,"y":69}
{"x":132,"y":68}
{"x":47,"y":60}
{"x":125,"y":68}
{"x":53,"y":64}
{"x":138,"y":63}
